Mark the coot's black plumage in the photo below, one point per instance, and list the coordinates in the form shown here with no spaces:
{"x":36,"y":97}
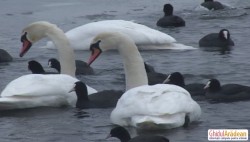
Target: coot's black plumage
{"x":170,"y":20}
{"x":195,"y":89}
{"x":221,"y":39}
{"x":149,"y":68}
{"x":226,"y":93}
{"x":156,"y":78}
{"x":82,"y":68}
{"x":122,"y":134}
{"x":54,"y":63}
{"x":153,"y":76}
{"x":212,"y":5}
{"x":5,"y":56}
{"x":102,"y":99}
{"x":36,"y":68}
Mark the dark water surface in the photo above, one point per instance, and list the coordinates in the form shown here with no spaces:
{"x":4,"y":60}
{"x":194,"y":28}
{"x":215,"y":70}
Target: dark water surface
{"x":69,"y":124}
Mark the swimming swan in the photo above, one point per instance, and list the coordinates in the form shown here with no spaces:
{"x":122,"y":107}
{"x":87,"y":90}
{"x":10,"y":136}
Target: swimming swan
{"x":143,"y":106}
{"x":36,"y":90}
{"x":144,"y":37}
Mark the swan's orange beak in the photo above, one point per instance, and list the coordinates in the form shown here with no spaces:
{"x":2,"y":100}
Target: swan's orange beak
{"x":26,"y":45}
{"x":96,"y":51}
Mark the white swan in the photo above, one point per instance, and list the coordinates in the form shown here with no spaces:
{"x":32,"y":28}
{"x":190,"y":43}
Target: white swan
{"x":144,"y":37}
{"x":144,"y":106}
{"x":35,"y":90}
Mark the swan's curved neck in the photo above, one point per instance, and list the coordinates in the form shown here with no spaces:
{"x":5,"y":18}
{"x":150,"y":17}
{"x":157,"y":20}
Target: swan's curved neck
{"x":133,"y":65}
{"x":66,"y":53}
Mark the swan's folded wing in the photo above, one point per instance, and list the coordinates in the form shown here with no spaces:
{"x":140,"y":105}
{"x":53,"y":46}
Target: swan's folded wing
{"x":159,"y":103}
{"x":41,"y":85}
{"x":19,"y":102}
{"x":156,"y":100}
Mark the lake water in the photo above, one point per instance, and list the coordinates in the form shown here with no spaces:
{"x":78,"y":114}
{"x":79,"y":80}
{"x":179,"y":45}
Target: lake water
{"x":69,"y":124}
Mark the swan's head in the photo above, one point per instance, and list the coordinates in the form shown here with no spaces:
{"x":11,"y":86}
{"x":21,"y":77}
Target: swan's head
{"x":106,"y":41}
{"x":32,"y":33}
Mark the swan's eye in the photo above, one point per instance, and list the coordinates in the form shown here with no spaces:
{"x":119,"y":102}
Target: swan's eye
{"x":95,"y":45}
{"x":24,"y":37}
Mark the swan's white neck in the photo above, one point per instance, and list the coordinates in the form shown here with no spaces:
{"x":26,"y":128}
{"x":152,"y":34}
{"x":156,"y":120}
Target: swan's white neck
{"x":66,"y":53}
{"x":133,"y":65}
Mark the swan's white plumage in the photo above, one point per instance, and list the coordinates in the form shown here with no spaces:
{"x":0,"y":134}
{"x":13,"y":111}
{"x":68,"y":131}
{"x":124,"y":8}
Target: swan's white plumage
{"x":144,"y":37}
{"x":36,"y":90}
{"x":161,"y":104}
{"x":143,"y":106}
{"x":39,"y":90}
